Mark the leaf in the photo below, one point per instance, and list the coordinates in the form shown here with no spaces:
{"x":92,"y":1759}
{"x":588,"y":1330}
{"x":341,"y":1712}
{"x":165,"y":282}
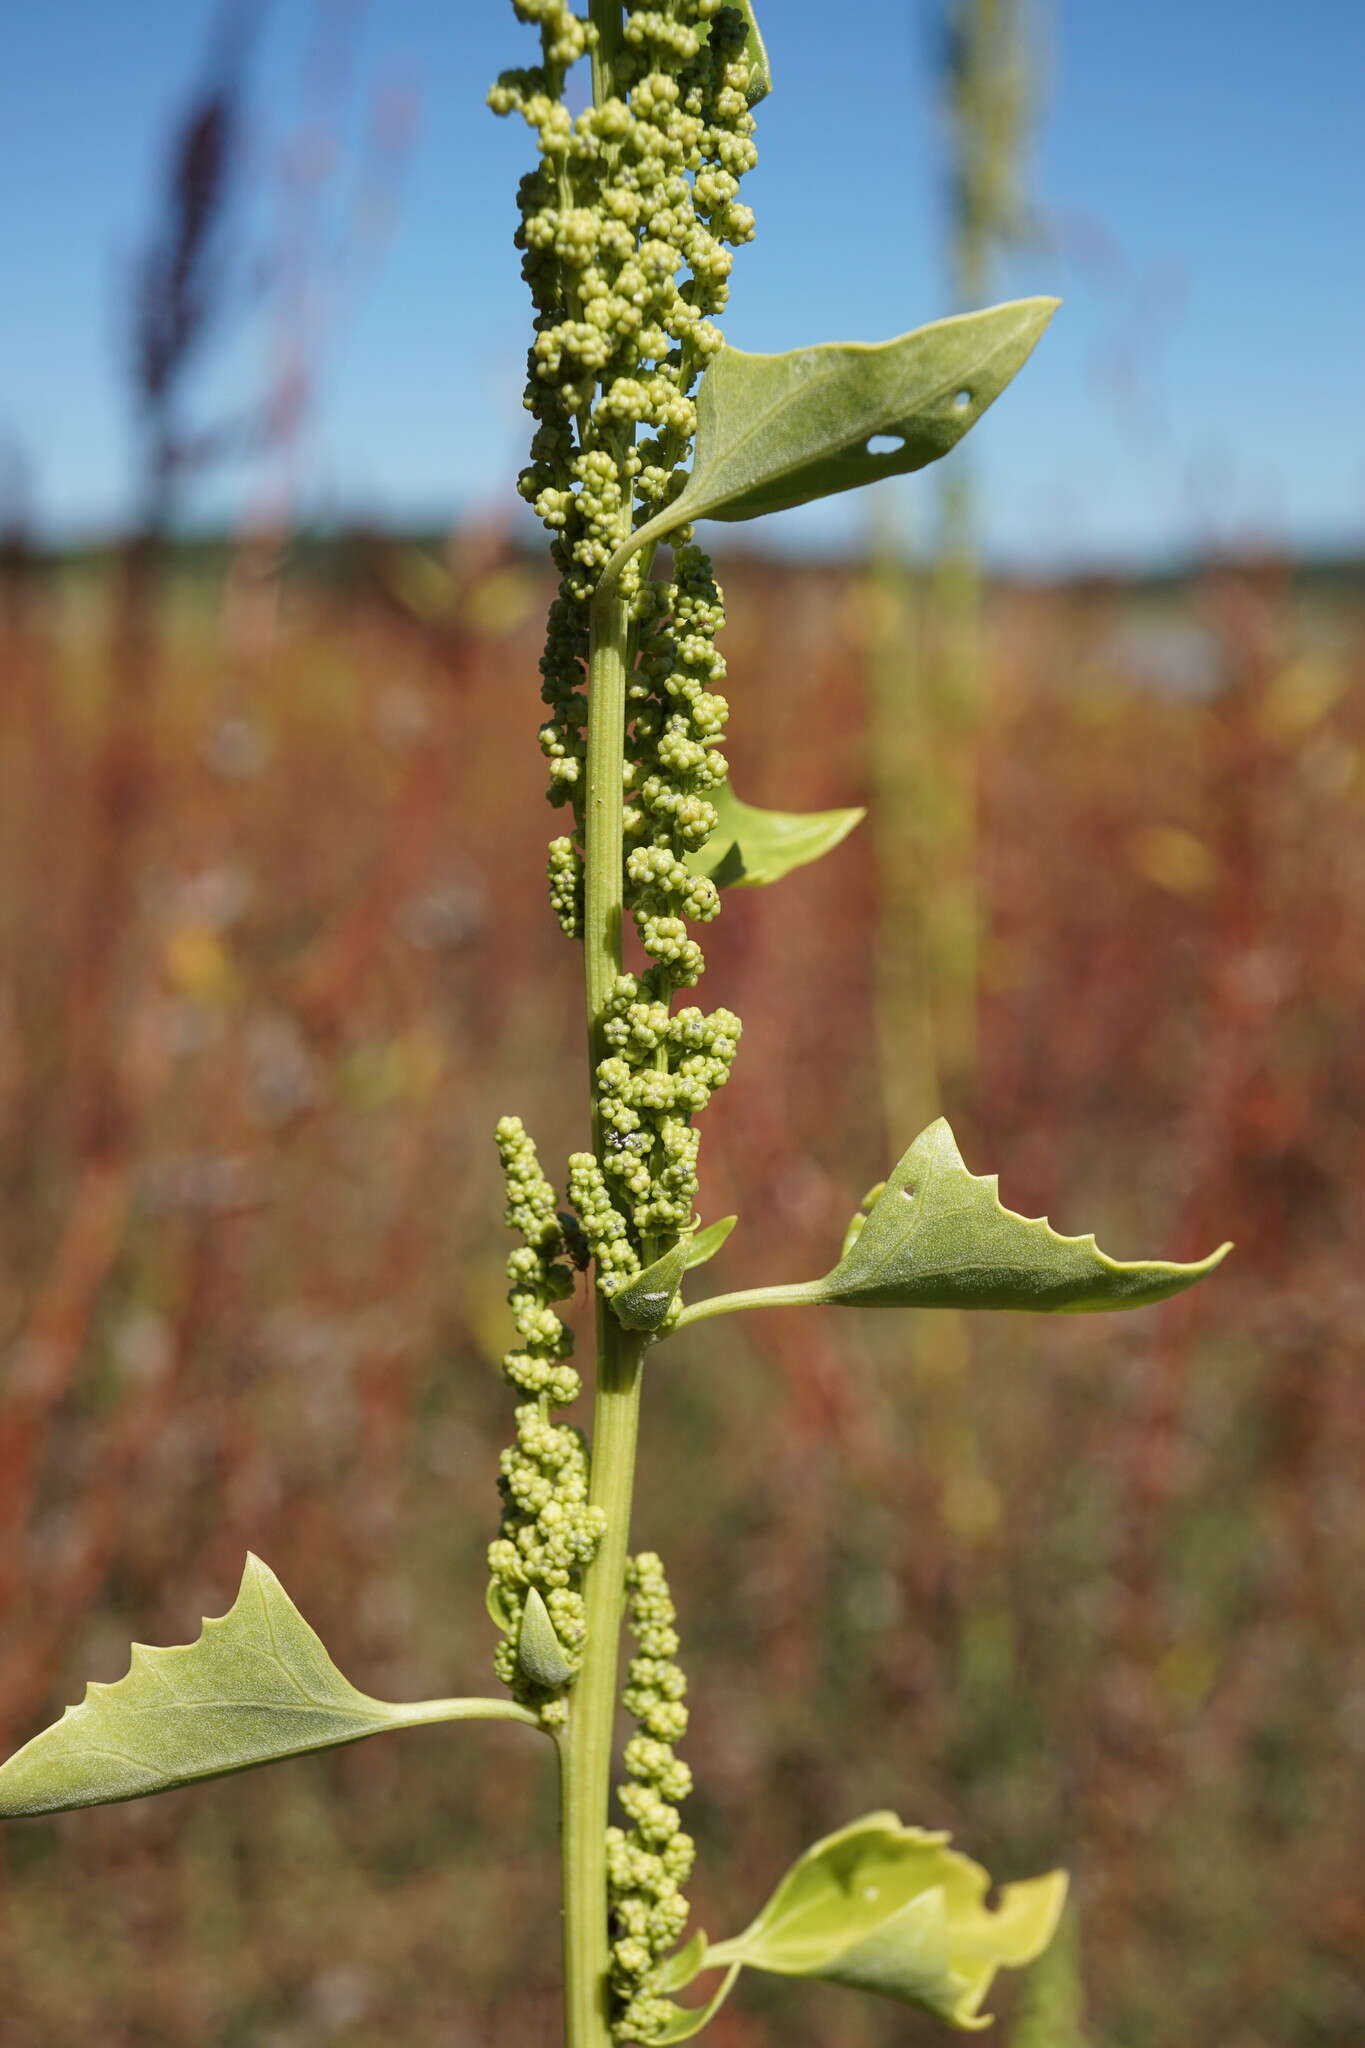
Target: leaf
{"x":752,"y":846}
{"x":687,"y":2020}
{"x":704,"y":1244}
{"x":682,"y":1966}
{"x":939,"y":1237}
{"x":674,"y":1973}
{"x":256,"y":1687}
{"x":644,"y":1302}
{"x":756,"y":50}
{"x":776,"y":431}
{"x":539,"y":1650}
{"x":892,"y":1909}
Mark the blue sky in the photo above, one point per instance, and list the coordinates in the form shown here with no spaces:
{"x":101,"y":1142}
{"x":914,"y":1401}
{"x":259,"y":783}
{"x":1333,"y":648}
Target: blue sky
{"x":1198,"y":171}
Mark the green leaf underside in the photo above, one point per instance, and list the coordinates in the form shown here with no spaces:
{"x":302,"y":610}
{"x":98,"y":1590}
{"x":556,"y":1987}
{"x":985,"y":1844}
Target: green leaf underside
{"x":751,"y":847}
{"x":643,"y":1303}
{"x":539,"y":1651}
{"x":256,"y":1687}
{"x":682,"y":1966}
{"x":939,"y":1236}
{"x":756,"y":50}
{"x":687,"y":2020}
{"x":777,"y":431}
{"x":704,"y":1244}
{"x":891,"y":1909}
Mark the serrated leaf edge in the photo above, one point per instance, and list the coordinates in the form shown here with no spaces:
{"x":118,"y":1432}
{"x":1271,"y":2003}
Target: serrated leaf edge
{"x":148,"y":1660}
{"x":1185,"y":1273}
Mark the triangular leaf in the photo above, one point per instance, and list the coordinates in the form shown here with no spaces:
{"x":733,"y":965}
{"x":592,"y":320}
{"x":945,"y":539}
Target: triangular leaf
{"x":704,"y":1244}
{"x":539,"y":1650}
{"x":939,"y":1237}
{"x":751,"y":846}
{"x":776,"y":431}
{"x":256,"y":1687}
{"x":644,"y":1302}
{"x":892,"y":1909}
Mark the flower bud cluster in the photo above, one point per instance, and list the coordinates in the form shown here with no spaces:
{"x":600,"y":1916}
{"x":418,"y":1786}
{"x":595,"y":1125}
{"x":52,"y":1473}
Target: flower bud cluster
{"x":627,"y":228}
{"x":608,"y":1239}
{"x":648,"y":1863}
{"x":674,"y":763}
{"x":548,"y":1532}
{"x":660,"y":1073}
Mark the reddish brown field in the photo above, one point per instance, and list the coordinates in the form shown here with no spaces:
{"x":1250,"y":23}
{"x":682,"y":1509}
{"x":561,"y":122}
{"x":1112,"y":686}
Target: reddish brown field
{"x":275,"y":955}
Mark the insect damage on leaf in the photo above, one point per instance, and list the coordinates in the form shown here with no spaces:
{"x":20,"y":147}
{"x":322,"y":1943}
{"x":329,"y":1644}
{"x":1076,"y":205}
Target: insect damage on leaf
{"x":777,"y":431}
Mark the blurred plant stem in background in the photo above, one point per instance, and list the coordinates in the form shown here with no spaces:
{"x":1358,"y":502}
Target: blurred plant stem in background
{"x":926,"y":673}
{"x":1052,"y":2001}
{"x":107,"y":1087}
{"x":927,"y":667}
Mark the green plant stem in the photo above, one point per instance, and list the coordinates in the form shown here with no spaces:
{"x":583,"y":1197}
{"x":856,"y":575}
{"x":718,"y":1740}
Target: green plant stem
{"x":795,"y":1294}
{"x":471,"y":1710}
{"x":603,"y":808}
{"x":605,"y":16}
{"x":586,"y":1744}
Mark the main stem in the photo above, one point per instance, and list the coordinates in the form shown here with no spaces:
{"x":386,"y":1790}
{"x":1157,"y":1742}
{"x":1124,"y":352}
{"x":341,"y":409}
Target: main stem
{"x":587,"y":1743}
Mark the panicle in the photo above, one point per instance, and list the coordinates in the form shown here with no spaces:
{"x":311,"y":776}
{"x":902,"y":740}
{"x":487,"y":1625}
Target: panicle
{"x":548,"y":1532}
{"x":628,"y":224}
{"x":649,"y":1862}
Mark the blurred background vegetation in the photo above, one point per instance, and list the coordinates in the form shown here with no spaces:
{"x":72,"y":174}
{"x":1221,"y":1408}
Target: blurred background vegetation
{"x":274,"y":954}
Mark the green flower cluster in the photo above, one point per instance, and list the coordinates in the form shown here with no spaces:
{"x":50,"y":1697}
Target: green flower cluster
{"x":627,"y":227}
{"x":604,"y":1228}
{"x":673,"y":764}
{"x":661,"y":1072}
{"x":548,"y":1532}
{"x":648,"y":1864}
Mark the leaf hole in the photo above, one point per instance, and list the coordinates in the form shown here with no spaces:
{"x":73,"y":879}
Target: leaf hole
{"x":961,"y":400}
{"x":885,"y":444}
{"x":909,"y":1194}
